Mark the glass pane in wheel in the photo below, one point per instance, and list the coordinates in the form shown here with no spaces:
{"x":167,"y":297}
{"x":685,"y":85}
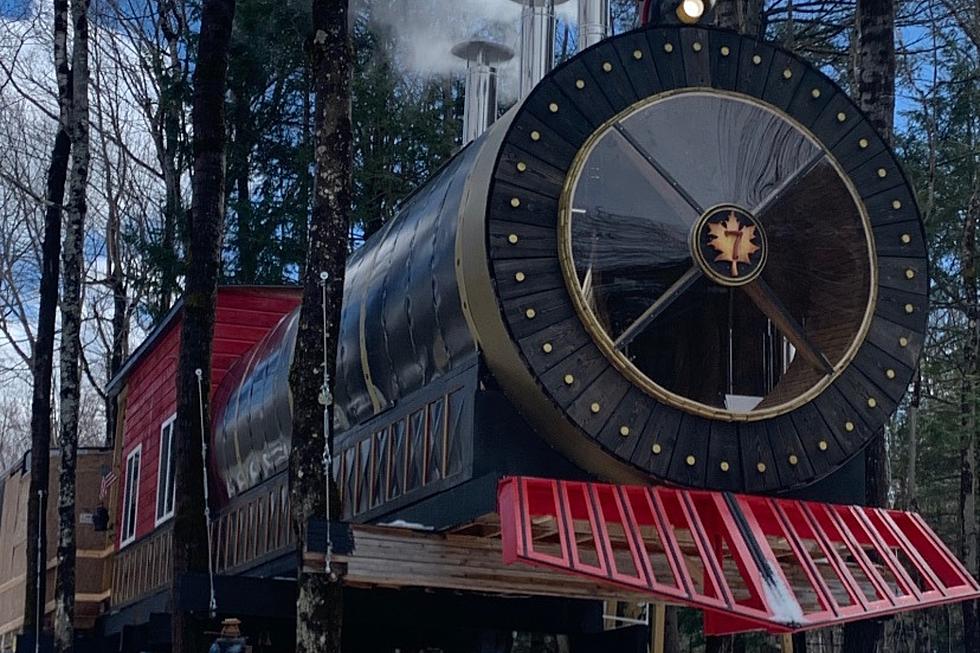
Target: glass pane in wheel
{"x":717,"y":254}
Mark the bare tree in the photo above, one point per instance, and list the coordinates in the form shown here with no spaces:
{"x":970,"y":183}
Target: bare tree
{"x":190,"y":548}
{"x":44,"y":344}
{"x":874,"y":86}
{"x":319,"y":607}
{"x":72,"y":262}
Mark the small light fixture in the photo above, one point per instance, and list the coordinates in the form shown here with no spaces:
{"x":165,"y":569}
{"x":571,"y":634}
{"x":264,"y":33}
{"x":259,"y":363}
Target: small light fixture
{"x":689,"y":12}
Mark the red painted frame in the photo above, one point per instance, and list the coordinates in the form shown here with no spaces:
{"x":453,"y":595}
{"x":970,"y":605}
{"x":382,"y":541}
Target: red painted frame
{"x":828,"y":544}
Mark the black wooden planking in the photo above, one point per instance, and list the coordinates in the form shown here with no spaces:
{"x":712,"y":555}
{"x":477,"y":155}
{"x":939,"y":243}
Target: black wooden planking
{"x":787,"y":447}
{"x":606,"y":392}
{"x":806,"y":108}
{"x":531,"y":208}
{"x":584,"y":366}
{"x":567,"y":120}
{"x":837,"y":414}
{"x":812,"y":430}
{"x":890,"y":239}
{"x":723,"y":446}
{"x":882,"y":206}
{"x":532,"y":240}
{"x":752,"y":76}
{"x":519,"y":277}
{"x":893,"y":272}
{"x":850,"y":153}
{"x":550,"y":147}
{"x":697,"y":58}
{"x":875,"y":364}
{"x":753,"y":437}
{"x":642,"y":72}
{"x":867,"y":176}
{"x":724,"y":67}
{"x":894,"y":305}
{"x":669,"y":65}
{"x":859,"y":390}
{"x":692,"y":440}
{"x":589,"y":99}
{"x":564,"y":338}
{"x":549,"y":307}
{"x":829,"y":128}
{"x":633,"y":412}
{"x":887,"y":336}
{"x":614,"y":82}
{"x":780,"y":89}
{"x":660,"y":430}
{"x":519,"y":167}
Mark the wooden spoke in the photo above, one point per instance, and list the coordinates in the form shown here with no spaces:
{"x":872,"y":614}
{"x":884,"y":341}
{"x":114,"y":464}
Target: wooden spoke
{"x":766,"y":300}
{"x":784,"y":185}
{"x":660,"y":170}
{"x":658,"y":307}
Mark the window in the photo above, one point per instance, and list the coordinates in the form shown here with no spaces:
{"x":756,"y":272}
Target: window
{"x":165,"y":473}
{"x":130,"y":495}
{"x":683,"y":320}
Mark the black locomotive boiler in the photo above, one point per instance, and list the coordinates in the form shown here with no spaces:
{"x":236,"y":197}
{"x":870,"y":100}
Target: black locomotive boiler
{"x":685,"y":257}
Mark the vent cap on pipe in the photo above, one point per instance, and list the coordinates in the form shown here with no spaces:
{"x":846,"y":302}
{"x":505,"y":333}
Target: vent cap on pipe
{"x":480,"y":93}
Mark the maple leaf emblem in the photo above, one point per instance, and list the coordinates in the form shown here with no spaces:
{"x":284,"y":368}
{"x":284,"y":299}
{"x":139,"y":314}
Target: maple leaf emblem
{"x":732,"y":241}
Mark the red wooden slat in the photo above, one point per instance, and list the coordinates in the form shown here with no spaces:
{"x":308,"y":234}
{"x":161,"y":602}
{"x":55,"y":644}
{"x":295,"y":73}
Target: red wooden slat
{"x":860,"y":557}
{"x":923,"y":569}
{"x":713,"y":518}
{"x":597,"y":533}
{"x":816,"y":581}
{"x":859,"y":603}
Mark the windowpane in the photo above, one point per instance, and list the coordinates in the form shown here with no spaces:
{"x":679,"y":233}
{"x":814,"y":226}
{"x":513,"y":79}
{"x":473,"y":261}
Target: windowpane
{"x":130,"y":496}
{"x":165,"y":477}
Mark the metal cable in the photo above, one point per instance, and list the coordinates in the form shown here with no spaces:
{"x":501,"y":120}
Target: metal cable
{"x":213,"y":603}
{"x":325,"y":400}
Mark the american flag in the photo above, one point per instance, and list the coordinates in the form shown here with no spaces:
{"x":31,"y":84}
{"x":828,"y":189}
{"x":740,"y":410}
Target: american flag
{"x":107,"y":480}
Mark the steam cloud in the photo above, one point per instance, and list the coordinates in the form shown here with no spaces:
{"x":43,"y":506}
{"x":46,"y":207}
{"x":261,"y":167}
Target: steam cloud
{"x":423,"y":32}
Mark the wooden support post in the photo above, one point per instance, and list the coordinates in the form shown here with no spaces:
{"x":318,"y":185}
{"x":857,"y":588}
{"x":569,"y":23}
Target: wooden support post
{"x":786,"y":643}
{"x":658,"y":627}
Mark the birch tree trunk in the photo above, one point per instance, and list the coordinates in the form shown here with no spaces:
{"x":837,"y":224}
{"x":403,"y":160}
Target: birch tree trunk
{"x":874,"y":84}
{"x":72,"y":259}
{"x":319,"y":606}
{"x":37,"y":502}
{"x":744,"y":16}
{"x":192,"y":426}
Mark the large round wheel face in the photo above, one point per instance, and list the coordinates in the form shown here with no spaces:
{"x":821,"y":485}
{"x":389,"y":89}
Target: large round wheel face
{"x":711,"y":265}
{"x":717,"y":255}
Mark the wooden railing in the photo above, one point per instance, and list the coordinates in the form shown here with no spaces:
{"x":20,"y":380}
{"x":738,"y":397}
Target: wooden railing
{"x":143,"y":568}
{"x":255,"y":528}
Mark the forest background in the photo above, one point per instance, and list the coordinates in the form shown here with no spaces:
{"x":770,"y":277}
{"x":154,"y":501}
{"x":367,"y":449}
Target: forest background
{"x":407,"y":107}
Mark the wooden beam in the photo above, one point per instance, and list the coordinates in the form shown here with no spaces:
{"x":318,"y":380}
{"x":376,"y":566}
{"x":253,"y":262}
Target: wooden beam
{"x":401,"y":558}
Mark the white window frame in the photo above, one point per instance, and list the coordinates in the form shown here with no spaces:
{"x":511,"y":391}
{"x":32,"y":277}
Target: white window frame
{"x":162,"y":476}
{"x":131,"y":491}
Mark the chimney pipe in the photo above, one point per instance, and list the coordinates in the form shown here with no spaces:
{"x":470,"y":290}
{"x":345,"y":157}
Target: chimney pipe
{"x":537,"y":41}
{"x":593,"y":22}
{"x":480,"y":92}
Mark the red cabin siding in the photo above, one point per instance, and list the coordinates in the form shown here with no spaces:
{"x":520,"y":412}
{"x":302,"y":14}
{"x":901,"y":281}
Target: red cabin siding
{"x":243,"y":316}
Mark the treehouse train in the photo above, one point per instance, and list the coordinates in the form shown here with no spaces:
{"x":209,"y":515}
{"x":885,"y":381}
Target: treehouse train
{"x":683,"y":275}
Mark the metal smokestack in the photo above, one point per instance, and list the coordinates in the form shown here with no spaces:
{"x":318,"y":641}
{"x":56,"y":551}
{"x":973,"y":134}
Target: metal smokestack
{"x":480,"y":92}
{"x":537,"y":41}
{"x":593,"y":22}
